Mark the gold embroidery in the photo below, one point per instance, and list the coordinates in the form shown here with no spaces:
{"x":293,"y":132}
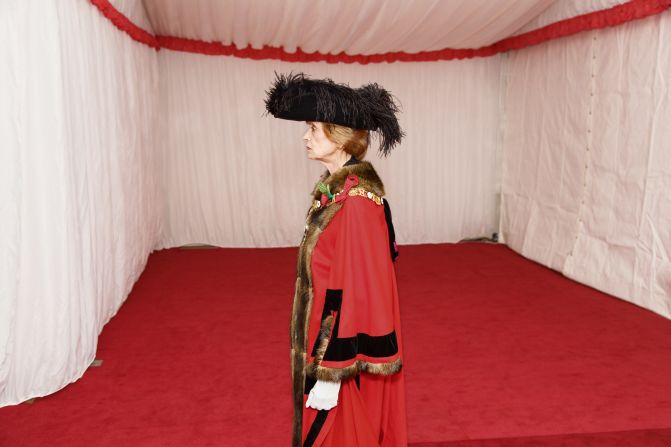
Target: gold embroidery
{"x":363,"y":193}
{"x":358,"y":191}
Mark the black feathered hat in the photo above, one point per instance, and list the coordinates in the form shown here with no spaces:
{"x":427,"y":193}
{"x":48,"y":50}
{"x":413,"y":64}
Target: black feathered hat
{"x":299,"y":98}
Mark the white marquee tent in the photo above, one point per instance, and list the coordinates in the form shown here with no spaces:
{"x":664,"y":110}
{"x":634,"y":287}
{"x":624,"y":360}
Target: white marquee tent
{"x":129,"y":126}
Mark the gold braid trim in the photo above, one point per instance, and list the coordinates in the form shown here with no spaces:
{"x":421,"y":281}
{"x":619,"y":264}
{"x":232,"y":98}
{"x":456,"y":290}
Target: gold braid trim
{"x":359,"y":191}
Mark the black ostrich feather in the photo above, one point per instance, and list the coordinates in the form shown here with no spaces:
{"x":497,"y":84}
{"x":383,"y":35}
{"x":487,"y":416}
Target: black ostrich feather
{"x":380,"y":112}
{"x":370,"y":107}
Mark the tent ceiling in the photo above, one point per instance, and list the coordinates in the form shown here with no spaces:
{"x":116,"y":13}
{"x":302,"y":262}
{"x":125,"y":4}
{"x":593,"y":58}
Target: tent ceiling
{"x":350,"y":26}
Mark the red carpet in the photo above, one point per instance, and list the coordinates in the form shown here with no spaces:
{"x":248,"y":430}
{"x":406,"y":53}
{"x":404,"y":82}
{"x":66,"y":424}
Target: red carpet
{"x":499,"y":352}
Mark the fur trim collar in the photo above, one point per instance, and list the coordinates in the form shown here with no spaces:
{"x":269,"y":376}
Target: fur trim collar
{"x":368,"y":178}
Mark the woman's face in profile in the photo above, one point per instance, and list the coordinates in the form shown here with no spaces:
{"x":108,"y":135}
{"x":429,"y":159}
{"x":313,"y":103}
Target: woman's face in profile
{"x":318,"y":146}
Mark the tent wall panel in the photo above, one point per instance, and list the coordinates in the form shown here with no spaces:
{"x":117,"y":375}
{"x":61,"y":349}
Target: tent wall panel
{"x":543,"y":147}
{"x":236,"y":178}
{"x":80,"y":163}
{"x":588,"y":194}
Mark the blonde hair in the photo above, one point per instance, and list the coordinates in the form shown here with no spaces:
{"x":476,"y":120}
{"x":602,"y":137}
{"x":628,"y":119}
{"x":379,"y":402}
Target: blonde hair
{"x":353,"y":141}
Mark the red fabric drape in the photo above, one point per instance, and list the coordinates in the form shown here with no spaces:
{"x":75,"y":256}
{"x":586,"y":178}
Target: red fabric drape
{"x":352,"y":255}
{"x":124,"y":24}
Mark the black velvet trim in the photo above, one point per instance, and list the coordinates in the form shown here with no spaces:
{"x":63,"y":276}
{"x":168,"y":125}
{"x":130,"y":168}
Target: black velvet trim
{"x":352,"y":161}
{"x":390,"y":229}
{"x":340,"y":349}
{"x":332,"y":301}
{"x":309,"y":384}
{"x":315,"y":428}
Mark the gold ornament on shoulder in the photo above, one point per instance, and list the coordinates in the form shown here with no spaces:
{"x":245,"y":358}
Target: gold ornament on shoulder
{"x":363,"y":193}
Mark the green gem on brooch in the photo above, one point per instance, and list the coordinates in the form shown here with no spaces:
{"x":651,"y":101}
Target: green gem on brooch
{"x":326,"y":189}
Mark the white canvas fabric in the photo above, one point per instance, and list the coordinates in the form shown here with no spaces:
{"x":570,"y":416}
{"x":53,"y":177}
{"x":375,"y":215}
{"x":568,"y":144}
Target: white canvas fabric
{"x":79,"y":199}
{"x":565,"y":9}
{"x":349,"y":26}
{"x":236,"y":178}
{"x":586,"y":159}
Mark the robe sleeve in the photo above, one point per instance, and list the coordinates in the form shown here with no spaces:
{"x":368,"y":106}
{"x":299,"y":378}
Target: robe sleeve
{"x":360,"y":320}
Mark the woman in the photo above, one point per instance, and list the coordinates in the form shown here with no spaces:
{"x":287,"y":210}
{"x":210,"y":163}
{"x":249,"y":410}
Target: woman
{"x":345,"y":328}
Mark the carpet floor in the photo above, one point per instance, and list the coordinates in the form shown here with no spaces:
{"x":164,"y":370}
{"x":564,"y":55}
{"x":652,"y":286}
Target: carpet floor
{"x":499,"y":351}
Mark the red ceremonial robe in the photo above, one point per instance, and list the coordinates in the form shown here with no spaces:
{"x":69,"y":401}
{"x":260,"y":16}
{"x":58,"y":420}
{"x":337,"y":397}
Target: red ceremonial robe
{"x":352,"y":318}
